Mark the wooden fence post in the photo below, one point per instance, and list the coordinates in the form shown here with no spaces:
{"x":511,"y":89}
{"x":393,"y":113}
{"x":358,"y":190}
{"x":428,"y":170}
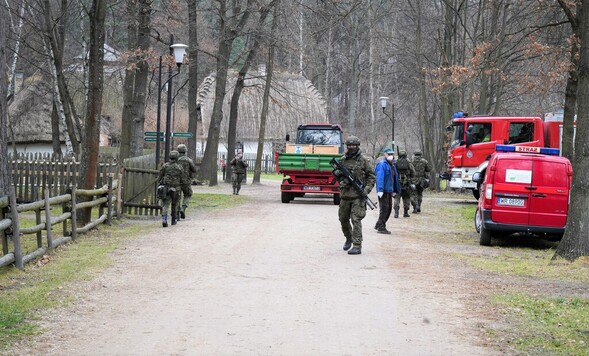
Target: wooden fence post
{"x":3,"y":235}
{"x":18,"y":261}
{"x":38,"y":218}
{"x":48,"y":220}
{"x":120,"y":193}
{"x":74,"y":216}
{"x":109,"y":201}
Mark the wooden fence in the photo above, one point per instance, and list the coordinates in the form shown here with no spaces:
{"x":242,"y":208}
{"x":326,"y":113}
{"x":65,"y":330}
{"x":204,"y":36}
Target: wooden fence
{"x":32,"y":174}
{"x":104,"y":198}
{"x":139,"y":185}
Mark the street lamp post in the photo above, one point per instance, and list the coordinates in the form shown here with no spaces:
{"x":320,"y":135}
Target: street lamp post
{"x":178,"y":50}
{"x":383,"y":104}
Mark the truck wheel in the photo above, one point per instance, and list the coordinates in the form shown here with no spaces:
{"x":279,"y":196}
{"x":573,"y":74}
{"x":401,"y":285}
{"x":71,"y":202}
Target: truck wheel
{"x":484,"y":237}
{"x":285,"y":197}
{"x":336,"y":199}
{"x":476,"y":193}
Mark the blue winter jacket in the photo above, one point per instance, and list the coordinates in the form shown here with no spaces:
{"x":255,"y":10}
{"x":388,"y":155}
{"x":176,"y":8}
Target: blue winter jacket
{"x":387,"y":179}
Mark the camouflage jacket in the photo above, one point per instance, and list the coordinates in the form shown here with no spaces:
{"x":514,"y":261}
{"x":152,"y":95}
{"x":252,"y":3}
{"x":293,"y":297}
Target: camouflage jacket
{"x":362,"y":170}
{"x":188,"y":167}
{"x":406,"y":175}
{"x":422,"y":168}
{"x":238,"y":165}
{"x":171,"y":175}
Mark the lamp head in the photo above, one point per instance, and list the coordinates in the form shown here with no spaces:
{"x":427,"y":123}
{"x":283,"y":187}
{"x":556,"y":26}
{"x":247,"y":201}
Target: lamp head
{"x":383,"y":102}
{"x":179,"y":51}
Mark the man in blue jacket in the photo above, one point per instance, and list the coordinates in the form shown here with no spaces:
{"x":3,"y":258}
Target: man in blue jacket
{"x":387,"y":185}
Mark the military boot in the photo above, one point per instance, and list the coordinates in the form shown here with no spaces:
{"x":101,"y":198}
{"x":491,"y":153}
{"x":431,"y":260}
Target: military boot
{"x":347,"y":244}
{"x":419,"y":207}
{"x":406,"y":213}
{"x":396,"y":213}
{"x":174,"y":220}
{"x":182,"y":212}
{"x":234,"y":191}
{"x":415,"y":211}
{"x":237,"y":191}
{"x":164,"y":220}
{"x":356,"y":250}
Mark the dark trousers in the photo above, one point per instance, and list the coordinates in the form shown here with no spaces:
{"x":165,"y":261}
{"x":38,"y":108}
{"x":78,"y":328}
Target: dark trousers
{"x":386,"y":206}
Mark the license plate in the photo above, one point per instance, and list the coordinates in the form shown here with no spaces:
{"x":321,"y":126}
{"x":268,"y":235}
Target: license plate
{"x":311,"y":188}
{"x":510,"y":202}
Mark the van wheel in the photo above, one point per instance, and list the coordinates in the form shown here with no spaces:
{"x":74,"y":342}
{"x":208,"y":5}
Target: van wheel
{"x":336,"y":199}
{"x":478,"y":220}
{"x":285,"y":197}
{"x":484,"y":237}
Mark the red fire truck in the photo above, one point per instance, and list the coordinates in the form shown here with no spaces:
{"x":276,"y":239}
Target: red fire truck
{"x":474,"y":139}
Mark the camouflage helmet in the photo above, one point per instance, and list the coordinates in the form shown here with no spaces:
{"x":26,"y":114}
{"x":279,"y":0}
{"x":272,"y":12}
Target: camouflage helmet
{"x":402,"y":153}
{"x":353,"y":140}
{"x":417,"y":153}
{"x":182,"y":148}
{"x":174,"y":155}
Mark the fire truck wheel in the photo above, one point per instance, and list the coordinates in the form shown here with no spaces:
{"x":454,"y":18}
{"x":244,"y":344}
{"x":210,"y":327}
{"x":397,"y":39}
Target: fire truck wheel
{"x":476,"y":192}
{"x":336,"y":199}
{"x":286,"y":197}
{"x":484,"y":237}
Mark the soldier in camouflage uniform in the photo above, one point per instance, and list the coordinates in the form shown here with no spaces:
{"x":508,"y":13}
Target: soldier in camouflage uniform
{"x":406,"y":174}
{"x":170,"y":181}
{"x":238,"y":169}
{"x":189,"y":171}
{"x":421,"y":180}
{"x":352,"y":206}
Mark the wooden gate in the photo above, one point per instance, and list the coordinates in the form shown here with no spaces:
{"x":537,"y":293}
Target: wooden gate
{"x":139,"y":185}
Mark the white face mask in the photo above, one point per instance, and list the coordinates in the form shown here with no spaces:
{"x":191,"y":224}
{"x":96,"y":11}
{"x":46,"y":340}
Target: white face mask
{"x":390,"y":158}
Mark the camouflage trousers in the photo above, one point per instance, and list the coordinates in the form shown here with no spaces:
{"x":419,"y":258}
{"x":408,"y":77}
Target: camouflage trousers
{"x":406,"y":195}
{"x":353,"y":210}
{"x":172,"y":198}
{"x":417,"y":196}
{"x":236,"y":179}
{"x":186,"y":195}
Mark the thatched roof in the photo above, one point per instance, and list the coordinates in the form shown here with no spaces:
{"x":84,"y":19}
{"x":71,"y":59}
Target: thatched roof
{"x":30,"y":113}
{"x":293,"y":101}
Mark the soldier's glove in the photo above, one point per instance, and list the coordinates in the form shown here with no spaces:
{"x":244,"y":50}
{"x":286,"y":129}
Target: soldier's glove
{"x":412,"y":186}
{"x":394,"y":194}
{"x":380,"y":194}
{"x":337,"y":173}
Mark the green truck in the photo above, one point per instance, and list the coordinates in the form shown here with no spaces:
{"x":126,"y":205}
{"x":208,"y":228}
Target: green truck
{"x":305,"y":163}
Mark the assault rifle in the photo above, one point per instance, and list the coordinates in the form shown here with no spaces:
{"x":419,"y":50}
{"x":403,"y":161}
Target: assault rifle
{"x":357,"y":184}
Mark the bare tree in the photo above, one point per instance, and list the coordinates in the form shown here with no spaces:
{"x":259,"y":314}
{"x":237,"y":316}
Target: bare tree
{"x":135,"y":86}
{"x":193,"y":110}
{"x":4,"y":177}
{"x":575,"y":242}
{"x":89,"y":160}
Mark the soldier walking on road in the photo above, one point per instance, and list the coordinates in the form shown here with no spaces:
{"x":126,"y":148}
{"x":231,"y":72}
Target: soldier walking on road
{"x":238,"y":169}
{"x":189,"y":171}
{"x":352,"y":206}
{"x":421,"y":180}
{"x":387,"y":186}
{"x":169,"y":182}
{"x":406,"y":173}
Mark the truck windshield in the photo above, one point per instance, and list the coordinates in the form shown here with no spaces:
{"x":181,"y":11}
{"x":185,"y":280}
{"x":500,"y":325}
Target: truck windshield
{"x":319,"y":137}
{"x":458,"y":136}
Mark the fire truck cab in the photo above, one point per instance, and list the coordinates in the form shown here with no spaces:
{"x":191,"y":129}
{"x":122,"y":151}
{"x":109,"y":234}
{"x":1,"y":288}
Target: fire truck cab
{"x":525,"y":190}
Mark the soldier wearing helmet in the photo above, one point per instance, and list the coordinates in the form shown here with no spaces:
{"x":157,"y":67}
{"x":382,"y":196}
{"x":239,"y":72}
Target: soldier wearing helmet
{"x":170,"y":177}
{"x":352,"y":207}
{"x":189,"y":171}
{"x":421,"y":180}
{"x":406,"y":173}
{"x":238,"y":170}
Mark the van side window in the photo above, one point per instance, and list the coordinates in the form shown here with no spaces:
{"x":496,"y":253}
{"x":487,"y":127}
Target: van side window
{"x":521,"y":132}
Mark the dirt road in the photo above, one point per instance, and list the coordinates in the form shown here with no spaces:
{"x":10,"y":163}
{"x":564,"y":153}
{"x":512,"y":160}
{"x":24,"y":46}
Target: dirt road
{"x":269,"y":278}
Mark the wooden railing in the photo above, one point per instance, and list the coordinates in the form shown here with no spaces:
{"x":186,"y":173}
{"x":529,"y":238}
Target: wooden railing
{"x":105,"y":199}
